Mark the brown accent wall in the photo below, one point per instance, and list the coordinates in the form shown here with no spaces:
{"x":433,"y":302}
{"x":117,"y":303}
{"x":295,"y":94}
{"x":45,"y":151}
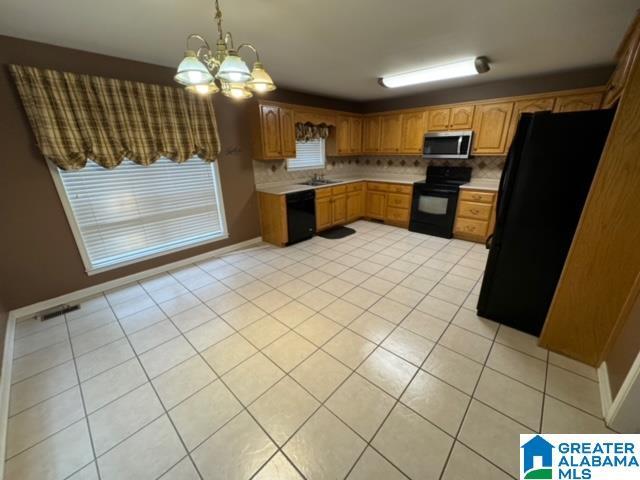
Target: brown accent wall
{"x":581,"y":78}
{"x":39,"y":258}
{"x":3,"y":327}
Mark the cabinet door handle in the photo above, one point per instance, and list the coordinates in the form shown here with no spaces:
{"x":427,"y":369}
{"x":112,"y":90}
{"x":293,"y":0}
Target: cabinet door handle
{"x":476,"y":197}
{"x":470,"y":228}
{"x":475,"y":211}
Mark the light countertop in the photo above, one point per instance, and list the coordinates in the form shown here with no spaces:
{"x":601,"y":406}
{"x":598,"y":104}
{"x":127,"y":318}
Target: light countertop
{"x":281,"y":189}
{"x":488,"y":184}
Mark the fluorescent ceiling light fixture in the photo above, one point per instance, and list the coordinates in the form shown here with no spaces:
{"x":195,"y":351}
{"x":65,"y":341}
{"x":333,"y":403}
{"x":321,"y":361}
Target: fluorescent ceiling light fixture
{"x":463,"y":68}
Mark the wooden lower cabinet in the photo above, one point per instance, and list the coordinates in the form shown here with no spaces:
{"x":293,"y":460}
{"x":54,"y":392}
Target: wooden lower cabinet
{"x":390,"y":202}
{"x":475,"y":216}
{"x":376,"y":205}
{"x":397,"y":216}
{"x":355,"y":205}
{"x":339,"y":205}
{"x":324,"y":213}
{"x":273,"y":218}
{"x":339,"y":209}
{"x":331,"y":206}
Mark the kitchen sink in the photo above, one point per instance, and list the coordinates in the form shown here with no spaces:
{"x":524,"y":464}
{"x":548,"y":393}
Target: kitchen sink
{"x":319,"y":181}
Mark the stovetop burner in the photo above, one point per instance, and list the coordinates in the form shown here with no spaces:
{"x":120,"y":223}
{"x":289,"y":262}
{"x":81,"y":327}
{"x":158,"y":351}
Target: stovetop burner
{"x":447,"y":175}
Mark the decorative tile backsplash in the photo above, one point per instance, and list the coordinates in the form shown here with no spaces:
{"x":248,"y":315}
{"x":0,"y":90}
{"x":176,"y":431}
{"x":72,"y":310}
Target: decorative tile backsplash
{"x":267,"y":172}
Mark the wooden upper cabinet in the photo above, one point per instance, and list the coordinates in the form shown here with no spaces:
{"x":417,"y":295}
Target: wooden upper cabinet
{"x":625,"y":56}
{"x":348,"y":135}
{"x":288,"y":131}
{"x":454,"y":118}
{"x":355,"y":136}
{"x":391,"y":133}
{"x":490,"y":126}
{"x":461,"y":117}
{"x":371,"y":134}
{"x":412,"y":132}
{"x":577,"y":103}
{"x":270,"y":131}
{"x":438,"y":119}
{"x":528,"y":106}
{"x":343,"y":135}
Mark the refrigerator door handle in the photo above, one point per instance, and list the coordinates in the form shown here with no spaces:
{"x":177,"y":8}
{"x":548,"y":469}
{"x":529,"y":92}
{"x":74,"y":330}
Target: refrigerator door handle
{"x":488,"y":242}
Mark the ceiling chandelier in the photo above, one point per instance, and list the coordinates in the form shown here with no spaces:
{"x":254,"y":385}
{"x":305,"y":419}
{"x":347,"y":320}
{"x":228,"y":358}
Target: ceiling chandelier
{"x":205,"y":71}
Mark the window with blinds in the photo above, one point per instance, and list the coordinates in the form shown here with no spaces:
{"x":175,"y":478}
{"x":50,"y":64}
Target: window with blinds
{"x":308,"y":155}
{"x":135,"y":212}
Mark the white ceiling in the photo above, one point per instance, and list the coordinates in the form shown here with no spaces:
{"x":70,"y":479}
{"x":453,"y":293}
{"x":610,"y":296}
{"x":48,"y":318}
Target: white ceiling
{"x":340,"y":47}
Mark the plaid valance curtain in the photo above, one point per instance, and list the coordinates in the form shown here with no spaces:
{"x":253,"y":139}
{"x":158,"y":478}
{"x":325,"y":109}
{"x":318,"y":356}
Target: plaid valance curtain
{"x":79,"y":117}
{"x":309,"y":131}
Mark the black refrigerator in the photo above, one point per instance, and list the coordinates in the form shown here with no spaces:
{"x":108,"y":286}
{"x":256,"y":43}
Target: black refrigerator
{"x":543,"y":188}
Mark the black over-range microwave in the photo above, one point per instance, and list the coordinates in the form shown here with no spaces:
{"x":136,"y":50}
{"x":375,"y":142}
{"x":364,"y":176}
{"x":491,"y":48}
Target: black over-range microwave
{"x":447,"y":144}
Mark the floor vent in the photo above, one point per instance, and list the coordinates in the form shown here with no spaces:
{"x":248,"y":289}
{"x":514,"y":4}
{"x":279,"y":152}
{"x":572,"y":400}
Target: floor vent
{"x":56,"y":311}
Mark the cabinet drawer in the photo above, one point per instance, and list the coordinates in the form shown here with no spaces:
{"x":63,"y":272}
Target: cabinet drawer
{"x":397,"y":214}
{"x":342,"y":189}
{"x":377,"y":187}
{"x":355,"y":187}
{"x":476,"y":196}
{"x":398,"y":201}
{"x":395,"y":188}
{"x":323,"y":192}
{"x":479,"y":211}
{"x":471,"y":227}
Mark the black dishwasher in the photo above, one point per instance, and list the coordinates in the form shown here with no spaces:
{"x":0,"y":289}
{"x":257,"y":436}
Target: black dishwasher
{"x":301,"y":215}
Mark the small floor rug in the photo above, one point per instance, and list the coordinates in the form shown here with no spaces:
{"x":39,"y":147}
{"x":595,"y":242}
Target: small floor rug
{"x":336,"y":233}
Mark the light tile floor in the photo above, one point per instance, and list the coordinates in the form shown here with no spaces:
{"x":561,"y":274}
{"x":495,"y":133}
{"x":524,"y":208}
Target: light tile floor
{"x":358,"y":358}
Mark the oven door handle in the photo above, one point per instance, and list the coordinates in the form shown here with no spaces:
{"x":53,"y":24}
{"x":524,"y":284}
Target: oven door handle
{"x":434,"y":190}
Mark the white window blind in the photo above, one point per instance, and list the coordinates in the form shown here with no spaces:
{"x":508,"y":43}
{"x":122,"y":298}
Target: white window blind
{"x":308,"y":155}
{"x":134,"y":212}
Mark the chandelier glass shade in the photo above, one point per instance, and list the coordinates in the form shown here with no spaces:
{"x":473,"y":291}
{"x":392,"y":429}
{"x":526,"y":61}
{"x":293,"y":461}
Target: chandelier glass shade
{"x":205,"y":71}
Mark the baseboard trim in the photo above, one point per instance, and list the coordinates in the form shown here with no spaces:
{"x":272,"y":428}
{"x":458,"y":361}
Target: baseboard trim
{"x":605,"y":389}
{"x":31,"y":310}
{"x":625,"y":401}
{"x":5,"y":386}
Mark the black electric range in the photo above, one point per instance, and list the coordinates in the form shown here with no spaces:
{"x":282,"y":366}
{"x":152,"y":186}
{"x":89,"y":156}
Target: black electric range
{"x":433,"y":206}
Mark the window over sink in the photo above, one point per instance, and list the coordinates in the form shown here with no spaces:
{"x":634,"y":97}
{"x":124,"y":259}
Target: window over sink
{"x":309,"y":155}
